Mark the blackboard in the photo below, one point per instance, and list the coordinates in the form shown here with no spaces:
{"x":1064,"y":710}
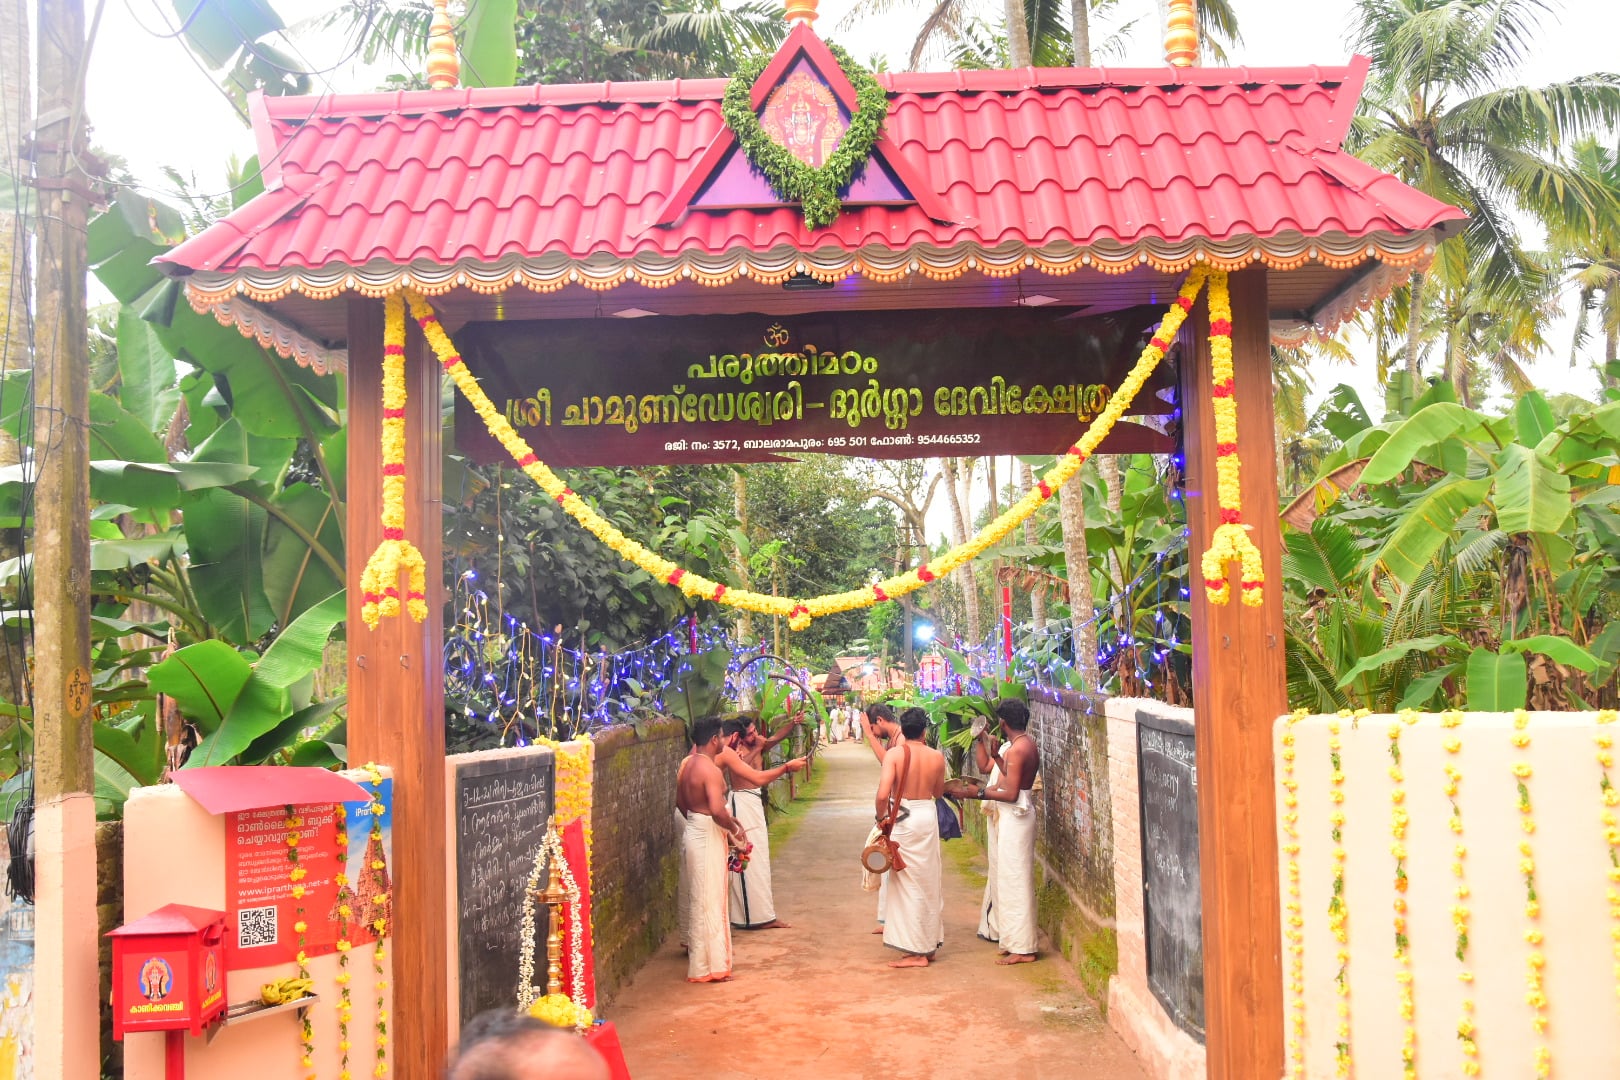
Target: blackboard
{"x":1172,"y":908}
{"x":502,"y":806}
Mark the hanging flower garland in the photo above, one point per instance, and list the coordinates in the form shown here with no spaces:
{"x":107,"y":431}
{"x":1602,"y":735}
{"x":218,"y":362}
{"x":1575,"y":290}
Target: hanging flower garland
{"x":1231,"y":542}
{"x":378,"y":916}
{"x":379,"y":582}
{"x":342,"y":913}
{"x":1294,"y":915}
{"x":800,"y":612}
{"x":1536,"y":962}
{"x":295,"y":876}
{"x":1338,"y":911}
{"x":1461,"y":914}
{"x":815,"y":189}
{"x":1399,"y":819}
{"x":1611,"y":829}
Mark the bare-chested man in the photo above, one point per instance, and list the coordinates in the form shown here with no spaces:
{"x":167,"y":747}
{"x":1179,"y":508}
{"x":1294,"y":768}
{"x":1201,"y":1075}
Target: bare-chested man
{"x":881,"y":730}
{"x":1008,"y":914}
{"x":700,"y":796}
{"x":753,"y":902}
{"x":913,"y":776}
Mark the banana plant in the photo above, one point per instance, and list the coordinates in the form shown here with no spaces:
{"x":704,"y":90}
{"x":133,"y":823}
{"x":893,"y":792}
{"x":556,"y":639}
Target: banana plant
{"x":1471,"y":560}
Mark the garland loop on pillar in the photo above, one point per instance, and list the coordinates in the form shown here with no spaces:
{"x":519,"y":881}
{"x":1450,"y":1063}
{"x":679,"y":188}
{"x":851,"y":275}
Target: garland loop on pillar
{"x":1230,"y":542}
{"x":800,"y":612}
{"x":379,"y":582}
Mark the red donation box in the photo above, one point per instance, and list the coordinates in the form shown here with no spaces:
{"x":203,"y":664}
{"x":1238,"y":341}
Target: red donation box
{"x":168,"y":971}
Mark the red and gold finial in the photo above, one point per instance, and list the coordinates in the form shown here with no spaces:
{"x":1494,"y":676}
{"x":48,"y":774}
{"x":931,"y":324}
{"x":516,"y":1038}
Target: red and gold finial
{"x":443,"y":68}
{"x":801,"y":11}
{"x":1181,"y":35}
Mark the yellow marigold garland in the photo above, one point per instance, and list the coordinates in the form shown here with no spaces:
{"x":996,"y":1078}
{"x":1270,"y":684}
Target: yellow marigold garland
{"x":1231,"y":542}
{"x":1338,"y":911}
{"x":1294,"y":915}
{"x":379,"y":582}
{"x":1536,"y":962}
{"x":800,"y":612}
{"x":379,"y":922}
{"x":295,"y":876}
{"x":344,"y":912}
{"x":1460,"y":912}
{"x":1399,"y":819}
{"x":1611,"y":829}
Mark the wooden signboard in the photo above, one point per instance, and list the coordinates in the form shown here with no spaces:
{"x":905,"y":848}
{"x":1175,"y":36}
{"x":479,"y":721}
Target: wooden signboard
{"x":1172,"y":911}
{"x":502,"y":804}
{"x":693,"y":389}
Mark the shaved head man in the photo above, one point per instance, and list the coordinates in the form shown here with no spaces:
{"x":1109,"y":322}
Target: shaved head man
{"x":503,"y":1044}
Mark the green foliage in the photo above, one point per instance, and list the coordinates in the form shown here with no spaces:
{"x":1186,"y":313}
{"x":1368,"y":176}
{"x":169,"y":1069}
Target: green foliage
{"x":214,"y":519}
{"x":1474,"y":563}
{"x":816,"y":189}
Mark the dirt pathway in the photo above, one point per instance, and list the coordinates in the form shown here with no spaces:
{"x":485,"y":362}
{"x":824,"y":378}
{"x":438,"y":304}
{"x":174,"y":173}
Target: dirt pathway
{"x":818,"y":1001}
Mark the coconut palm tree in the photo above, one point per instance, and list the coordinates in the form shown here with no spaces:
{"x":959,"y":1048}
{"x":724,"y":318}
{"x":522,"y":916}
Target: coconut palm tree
{"x":1591,"y":257}
{"x":1441,"y":112}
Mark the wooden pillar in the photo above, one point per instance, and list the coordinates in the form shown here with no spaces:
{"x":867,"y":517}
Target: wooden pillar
{"x":1239,"y":690}
{"x":396,"y":684}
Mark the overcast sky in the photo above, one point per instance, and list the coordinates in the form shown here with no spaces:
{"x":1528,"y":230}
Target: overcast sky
{"x":151,"y":104}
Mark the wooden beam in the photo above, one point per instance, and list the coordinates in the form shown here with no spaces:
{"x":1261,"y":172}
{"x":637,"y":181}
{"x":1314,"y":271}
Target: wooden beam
{"x":1239,"y":689}
{"x":396,"y":684}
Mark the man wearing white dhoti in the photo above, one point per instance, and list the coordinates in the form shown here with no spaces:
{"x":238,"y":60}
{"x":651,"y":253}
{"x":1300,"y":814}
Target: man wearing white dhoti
{"x":753,"y":901}
{"x":1007,"y":915}
{"x":700,"y":796}
{"x":914,"y":909}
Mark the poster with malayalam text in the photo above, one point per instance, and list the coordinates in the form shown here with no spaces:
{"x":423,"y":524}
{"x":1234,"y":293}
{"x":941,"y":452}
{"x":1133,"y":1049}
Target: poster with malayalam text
{"x":335,"y":882}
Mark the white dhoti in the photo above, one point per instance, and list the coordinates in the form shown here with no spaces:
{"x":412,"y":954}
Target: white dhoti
{"x":914,"y":907}
{"x":752,"y":901}
{"x":1008,"y":914}
{"x":708,"y":933}
{"x":987,"y":908}
{"x":684,"y":891}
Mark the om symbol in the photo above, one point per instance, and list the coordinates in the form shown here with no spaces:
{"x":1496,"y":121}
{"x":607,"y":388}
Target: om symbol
{"x":776,"y":336}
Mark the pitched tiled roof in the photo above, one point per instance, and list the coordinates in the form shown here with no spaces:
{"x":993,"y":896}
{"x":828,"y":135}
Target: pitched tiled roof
{"x":1041,"y":159}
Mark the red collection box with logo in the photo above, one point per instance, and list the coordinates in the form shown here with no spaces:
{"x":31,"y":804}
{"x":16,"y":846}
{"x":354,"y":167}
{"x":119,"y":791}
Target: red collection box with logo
{"x":169,"y":971}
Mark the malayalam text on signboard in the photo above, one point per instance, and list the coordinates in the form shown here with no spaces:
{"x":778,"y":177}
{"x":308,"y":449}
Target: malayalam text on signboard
{"x":736,"y":388}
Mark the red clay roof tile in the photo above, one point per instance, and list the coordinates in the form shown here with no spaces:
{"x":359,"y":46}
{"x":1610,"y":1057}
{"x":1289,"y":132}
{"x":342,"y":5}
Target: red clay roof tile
{"x":1037,"y":156}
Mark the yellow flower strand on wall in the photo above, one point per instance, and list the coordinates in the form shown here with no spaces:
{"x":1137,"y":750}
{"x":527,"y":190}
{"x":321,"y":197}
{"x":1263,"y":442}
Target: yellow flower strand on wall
{"x":1535,"y":961}
{"x":799,"y":612}
{"x":1338,"y":911}
{"x":1399,"y":819}
{"x":380,"y":923}
{"x":343,"y":912}
{"x":1611,"y":829}
{"x":576,"y":761}
{"x":295,"y":877}
{"x":1230,"y":542}
{"x":1293,"y":911}
{"x":1460,"y":911}
{"x":379,"y":581}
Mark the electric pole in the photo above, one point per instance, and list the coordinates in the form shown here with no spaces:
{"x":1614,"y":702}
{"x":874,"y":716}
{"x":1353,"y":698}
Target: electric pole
{"x":66,"y":1017}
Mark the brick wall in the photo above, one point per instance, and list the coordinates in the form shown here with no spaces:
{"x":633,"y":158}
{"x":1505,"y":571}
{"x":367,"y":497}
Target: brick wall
{"x":636,"y":849}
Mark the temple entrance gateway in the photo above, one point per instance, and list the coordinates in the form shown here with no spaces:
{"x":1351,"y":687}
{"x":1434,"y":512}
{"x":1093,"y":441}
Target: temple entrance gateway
{"x":617,"y":235}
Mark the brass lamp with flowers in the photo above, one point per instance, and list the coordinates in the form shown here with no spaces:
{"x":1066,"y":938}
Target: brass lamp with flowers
{"x":554,"y":1007}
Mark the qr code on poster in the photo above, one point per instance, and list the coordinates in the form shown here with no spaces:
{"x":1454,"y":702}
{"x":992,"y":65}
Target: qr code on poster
{"x":256,"y":926}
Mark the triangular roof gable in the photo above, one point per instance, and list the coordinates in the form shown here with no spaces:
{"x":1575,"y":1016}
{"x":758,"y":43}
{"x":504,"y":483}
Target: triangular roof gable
{"x":802,"y":44}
